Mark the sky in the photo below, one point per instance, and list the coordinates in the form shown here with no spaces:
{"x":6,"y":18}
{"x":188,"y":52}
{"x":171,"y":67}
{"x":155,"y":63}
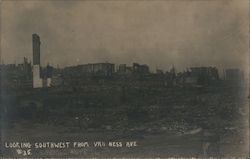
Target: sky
{"x":160,"y":33}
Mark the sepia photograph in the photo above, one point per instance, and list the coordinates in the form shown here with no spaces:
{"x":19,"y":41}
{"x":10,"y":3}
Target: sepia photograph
{"x":124,"y":78}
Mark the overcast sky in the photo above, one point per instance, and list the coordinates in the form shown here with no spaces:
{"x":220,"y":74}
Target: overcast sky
{"x":158,"y":33}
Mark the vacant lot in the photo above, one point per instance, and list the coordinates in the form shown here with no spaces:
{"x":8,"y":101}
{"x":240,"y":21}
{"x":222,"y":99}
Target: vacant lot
{"x":163,"y":121}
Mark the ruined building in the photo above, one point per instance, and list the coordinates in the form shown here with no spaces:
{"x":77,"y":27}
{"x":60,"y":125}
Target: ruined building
{"x":201,"y":75}
{"x":234,"y":75}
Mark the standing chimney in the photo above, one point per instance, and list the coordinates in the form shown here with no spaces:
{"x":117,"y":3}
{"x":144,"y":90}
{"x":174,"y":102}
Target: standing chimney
{"x":37,"y":81}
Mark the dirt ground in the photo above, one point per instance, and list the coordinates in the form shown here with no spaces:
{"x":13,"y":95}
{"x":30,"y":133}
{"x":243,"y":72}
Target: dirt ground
{"x":213,"y":122}
{"x":149,"y":143}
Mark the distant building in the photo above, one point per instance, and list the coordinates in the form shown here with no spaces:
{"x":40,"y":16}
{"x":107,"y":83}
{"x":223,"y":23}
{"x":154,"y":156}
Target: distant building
{"x":106,"y":69}
{"x":170,"y":77}
{"x":57,"y":77}
{"x":123,"y":69}
{"x":98,"y":69}
{"x":159,"y":72}
{"x":233,"y":74}
{"x":201,"y":75}
{"x":207,"y":72}
{"x":47,"y":76}
{"x":16,"y":75}
{"x":26,"y":69}
{"x":140,"y":69}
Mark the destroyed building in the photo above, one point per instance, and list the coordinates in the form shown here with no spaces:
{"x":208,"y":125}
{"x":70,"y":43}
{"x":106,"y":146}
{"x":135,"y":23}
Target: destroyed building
{"x":16,"y":75}
{"x":201,"y":75}
{"x":140,"y":69}
{"x":95,"y":69}
{"x":123,"y":69}
{"x":46,"y":75}
{"x":234,"y":76}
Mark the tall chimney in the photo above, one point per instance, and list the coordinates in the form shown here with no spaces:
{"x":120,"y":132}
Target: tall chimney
{"x":37,"y":81}
{"x":36,"y":49}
